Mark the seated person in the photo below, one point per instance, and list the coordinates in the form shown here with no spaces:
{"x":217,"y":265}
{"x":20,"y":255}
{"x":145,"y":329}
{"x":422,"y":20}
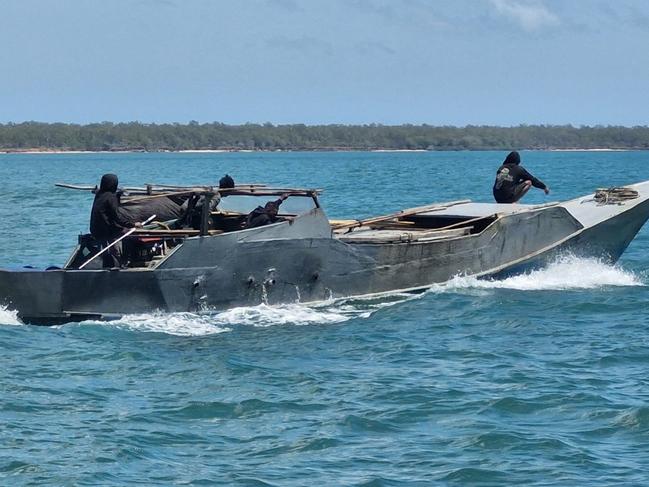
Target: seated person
{"x":226,"y":182}
{"x":192,"y":210}
{"x":265,"y":215}
{"x":513,"y":181}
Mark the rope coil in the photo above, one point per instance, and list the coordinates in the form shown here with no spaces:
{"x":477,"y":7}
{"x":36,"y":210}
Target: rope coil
{"x":615,"y":195}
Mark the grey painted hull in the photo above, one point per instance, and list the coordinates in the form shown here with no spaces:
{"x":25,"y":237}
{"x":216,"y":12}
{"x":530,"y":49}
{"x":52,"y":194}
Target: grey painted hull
{"x":303,"y":261}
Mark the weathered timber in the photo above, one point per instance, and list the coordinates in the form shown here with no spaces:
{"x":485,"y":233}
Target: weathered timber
{"x":399,"y":214}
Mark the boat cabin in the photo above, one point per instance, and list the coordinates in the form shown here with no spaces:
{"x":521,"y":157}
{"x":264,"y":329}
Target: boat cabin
{"x":202,"y":211}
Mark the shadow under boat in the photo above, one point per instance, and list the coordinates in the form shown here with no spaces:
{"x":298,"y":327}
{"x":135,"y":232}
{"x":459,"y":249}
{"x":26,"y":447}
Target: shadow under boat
{"x":217,"y":263}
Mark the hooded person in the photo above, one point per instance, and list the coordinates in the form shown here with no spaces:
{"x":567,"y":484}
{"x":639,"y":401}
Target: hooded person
{"x":265,"y":215}
{"x":226,"y":182}
{"x":107,"y":223}
{"x":513,"y":181}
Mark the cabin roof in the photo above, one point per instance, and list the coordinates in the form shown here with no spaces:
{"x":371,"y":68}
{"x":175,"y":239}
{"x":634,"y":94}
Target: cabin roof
{"x":251,"y":189}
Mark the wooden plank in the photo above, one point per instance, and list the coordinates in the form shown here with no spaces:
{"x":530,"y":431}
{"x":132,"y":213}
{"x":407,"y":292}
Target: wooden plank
{"x":167,"y":190}
{"x":341,"y":222}
{"x":400,"y":214}
{"x":269,"y":192}
{"x":465,"y":222}
{"x":87,"y":187}
{"x":393,"y":236}
{"x":394,"y":225}
{"x":200,"y":186}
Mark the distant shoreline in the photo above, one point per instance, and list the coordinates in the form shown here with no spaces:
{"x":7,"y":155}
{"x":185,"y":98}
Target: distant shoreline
{"x":216,"y":137}
{"x":221,"y":151}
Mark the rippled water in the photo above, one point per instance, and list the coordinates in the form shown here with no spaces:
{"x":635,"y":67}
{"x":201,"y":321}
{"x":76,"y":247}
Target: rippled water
{"x":539,"y":379}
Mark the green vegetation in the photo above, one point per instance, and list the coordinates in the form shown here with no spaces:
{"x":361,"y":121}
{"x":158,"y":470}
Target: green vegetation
{"x":109,"y":136}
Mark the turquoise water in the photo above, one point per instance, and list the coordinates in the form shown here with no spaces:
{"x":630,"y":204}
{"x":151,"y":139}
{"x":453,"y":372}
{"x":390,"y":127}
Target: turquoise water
{"x":538,"y":379}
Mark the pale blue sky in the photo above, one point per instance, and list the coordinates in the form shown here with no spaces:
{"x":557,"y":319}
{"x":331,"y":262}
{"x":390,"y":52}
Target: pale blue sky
{"x":452,"y":62}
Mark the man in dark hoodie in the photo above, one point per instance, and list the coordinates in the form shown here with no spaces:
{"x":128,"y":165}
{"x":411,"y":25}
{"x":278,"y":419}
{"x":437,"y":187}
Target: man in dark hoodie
{"x":226,"y":182}
{"x":513,"y":181}
{"x":265,"y":215}
{"x":106,"y":222}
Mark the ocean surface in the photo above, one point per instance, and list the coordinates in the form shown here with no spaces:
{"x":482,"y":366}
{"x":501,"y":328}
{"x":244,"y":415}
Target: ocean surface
{"x":540,"y":379}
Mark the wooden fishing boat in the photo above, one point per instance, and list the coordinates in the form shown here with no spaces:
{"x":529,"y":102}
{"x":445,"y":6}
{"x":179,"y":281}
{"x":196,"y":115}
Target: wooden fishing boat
{"x":217,"y":263}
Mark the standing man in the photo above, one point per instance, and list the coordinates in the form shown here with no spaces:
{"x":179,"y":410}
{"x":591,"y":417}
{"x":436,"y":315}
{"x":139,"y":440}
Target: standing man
{"x":513,"y":181}
{"x":106,"y":222}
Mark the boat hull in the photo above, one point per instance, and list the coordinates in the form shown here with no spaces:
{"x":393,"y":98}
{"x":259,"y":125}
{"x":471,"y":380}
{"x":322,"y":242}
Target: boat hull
{"x":301,"y":261}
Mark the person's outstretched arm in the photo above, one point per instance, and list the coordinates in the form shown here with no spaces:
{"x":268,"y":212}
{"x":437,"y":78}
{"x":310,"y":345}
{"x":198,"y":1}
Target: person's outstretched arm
{"x":537,"y":183}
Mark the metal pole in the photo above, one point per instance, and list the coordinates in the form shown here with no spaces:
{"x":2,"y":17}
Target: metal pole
{"x":148,"y":220}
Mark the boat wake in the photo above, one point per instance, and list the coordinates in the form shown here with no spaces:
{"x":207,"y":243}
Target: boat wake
{"x":566,"y":273}
{"x":180,"y":324}
{"x":296,"y":314}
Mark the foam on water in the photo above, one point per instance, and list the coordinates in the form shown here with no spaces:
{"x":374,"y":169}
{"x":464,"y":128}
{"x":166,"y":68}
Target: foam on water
{"x":9,"y":316}
{"x":567,"y":272}
{"x":211,"y":323}
{"x":262,"y":315}
{"x":265,"y":315}
{"x":181,"y":324}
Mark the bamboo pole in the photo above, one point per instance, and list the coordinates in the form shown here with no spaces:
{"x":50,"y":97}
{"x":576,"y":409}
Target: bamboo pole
{"x":86,"y":187}
{"x":167,"y":190}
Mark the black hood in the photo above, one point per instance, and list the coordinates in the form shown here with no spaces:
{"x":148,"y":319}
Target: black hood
{"x":271,"y":206}
{"x":226,"y":182}
{"x":108,"y":183}
{"x":512,"y":158}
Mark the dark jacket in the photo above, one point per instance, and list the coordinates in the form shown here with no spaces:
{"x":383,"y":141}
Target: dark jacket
{"x":106,"y":222}
{"x":511,"y":174}
{"x":264,"y":215}
{"x":226,"y":182}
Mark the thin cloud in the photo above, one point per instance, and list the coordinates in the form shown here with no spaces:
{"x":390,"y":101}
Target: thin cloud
{"x":305,"y":45}
{"x":529,"y":15}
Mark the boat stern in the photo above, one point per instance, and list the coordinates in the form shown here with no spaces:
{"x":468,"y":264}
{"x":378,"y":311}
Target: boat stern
{"x":31,"y":292}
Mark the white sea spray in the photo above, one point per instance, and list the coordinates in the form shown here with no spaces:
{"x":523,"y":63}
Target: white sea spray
{"x":565,"y":273}
{"x":9,"y":316}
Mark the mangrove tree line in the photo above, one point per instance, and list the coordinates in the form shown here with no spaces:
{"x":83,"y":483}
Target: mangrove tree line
{"x":107,"y":136}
